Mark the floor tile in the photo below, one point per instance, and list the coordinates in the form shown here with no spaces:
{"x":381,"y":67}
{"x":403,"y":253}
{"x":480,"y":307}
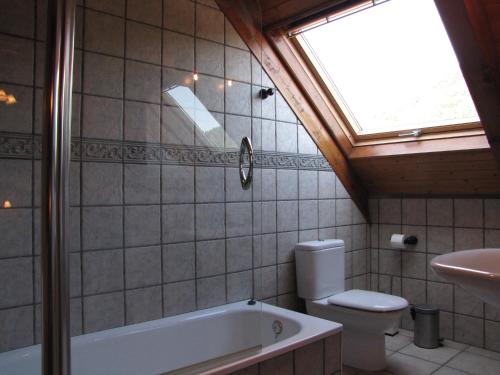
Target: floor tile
{"x":400,"y":364}
{"x":455,"y":345}
{"x":484,"y":352}
{"x":405,"y":332}
{"x":439,"y":355}
{"x":347,"y":370}
{"x":449,"y":371}
{"x":475,"y":364}
{"x":397,"y":342}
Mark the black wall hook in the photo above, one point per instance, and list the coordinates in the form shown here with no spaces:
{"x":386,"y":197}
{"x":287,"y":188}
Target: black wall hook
{"x":265,"y":93}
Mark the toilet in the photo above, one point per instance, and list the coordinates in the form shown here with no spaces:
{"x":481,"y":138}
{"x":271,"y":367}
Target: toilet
{"x":365,"y":315}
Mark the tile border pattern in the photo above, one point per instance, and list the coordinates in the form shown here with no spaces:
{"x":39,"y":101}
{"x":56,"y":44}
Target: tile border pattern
{"x":22,"y":146}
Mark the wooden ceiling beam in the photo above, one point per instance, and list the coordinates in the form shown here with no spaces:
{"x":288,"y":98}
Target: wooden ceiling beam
{"x":471,"y":34}
{"x":293,"y":92}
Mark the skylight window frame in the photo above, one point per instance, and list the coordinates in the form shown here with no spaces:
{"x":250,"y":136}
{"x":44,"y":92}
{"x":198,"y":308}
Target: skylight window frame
{"x":348,"y":122}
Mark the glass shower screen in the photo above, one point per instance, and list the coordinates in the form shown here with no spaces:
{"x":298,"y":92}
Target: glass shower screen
{"x":164,"y":95}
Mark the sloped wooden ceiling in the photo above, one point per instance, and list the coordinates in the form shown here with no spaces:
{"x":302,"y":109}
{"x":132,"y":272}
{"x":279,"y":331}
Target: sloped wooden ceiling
{"x":282,"y":12}
{"x":465,"y":165}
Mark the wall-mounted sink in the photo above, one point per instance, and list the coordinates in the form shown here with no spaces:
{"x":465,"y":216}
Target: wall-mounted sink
{"x":477,"y":271}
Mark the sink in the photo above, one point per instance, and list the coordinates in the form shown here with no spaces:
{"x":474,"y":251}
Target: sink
{"x":476,"y":271}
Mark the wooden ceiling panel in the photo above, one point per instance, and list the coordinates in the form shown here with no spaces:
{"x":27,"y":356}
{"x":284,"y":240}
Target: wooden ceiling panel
{"x":467,"y":173}
{"x":279,"y":12}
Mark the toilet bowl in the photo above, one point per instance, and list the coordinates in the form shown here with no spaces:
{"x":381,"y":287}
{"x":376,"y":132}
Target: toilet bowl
{"x":365,"y":315}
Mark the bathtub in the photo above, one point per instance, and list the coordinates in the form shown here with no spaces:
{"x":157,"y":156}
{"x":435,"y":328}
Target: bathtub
{"x":219,"y":340}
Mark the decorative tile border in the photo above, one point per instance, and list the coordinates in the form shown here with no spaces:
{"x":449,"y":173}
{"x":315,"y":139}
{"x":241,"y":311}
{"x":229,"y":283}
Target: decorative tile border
{"x":18,"y":146}
{"x":24,"y":146}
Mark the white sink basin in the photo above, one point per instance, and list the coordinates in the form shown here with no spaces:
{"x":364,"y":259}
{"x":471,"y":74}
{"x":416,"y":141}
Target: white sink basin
{"x":477,"y":271}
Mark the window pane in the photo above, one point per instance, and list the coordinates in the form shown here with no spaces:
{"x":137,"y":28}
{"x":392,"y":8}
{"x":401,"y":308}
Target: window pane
{"x":394,"y":67}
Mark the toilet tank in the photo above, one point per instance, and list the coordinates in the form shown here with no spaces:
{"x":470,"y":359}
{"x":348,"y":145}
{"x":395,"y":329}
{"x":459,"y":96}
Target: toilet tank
{"x":320,"y":268}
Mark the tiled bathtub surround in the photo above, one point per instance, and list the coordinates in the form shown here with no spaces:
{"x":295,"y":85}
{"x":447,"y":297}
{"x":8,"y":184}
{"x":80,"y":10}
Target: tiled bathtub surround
{"x":322,"y":357}
{"x":159,"y":222}
{"x":441,"y":225}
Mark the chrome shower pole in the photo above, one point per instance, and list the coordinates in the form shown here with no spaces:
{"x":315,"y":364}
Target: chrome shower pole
{"x":56,"y":153}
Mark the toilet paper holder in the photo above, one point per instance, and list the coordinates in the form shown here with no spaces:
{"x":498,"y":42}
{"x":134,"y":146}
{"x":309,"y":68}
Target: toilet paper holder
{"x":410,"y":240}
{"x":401,"y":241}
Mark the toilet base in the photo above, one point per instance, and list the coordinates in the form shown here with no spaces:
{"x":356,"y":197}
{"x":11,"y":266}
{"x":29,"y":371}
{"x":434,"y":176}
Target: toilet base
{"x":363,"y":350}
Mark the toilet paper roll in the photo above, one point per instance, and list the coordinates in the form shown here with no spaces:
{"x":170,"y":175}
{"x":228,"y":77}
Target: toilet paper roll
{"x":398,"y":241}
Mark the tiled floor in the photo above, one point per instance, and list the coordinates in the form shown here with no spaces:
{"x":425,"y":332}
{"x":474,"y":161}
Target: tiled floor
{"x":404,"y":358}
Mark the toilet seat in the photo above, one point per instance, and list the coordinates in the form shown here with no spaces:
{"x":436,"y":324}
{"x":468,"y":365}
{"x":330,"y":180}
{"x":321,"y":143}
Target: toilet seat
{"x":368,"y":301}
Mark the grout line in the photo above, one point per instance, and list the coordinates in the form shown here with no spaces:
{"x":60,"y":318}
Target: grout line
{"x":225,"y":168}
{"x":33,"y":192}
{"x":80,"y":187}
{"x":124,"y":213}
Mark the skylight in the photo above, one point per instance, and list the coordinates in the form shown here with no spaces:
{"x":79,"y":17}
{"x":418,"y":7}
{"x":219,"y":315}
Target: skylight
{"x":392,"y":68}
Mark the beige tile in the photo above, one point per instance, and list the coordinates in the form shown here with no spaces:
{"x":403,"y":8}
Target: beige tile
{"x":439,"y":355}
{"x":333,"y":353}
{"x":491,"y":216}
{"x":491,"y":312}
{"x":414,"y":211}
{"x":475,"y":364}
{"x":491,"y":237}
{"x":390,"y":262}
{"x":390,"y":211}
{"x":178,"y":15}
{"x":308,"y":360}
{"x":374,"y":210}
{"x":449,"y":371}
{"x":483,"y":352}
{"x":441,"y":295}
{"x":396,"y":284}
{"x":400,"y":364}
{"x":397,"y":342}
{"x":347,"y":370}
{"x":282,"y":365}
{"x":492,"y":335}
{"x":446,"y":325}
{"x":252,"y":370}
{"x":414,"y":290}
{"x":468,"y":330}
{"x":406,"y":332}
{"x":439,"y":240}
{"x":440,"y":211}
{"x":468,"y":238}
{"x":469,"y":213}
{"x":209,"y":24}
{"x":455,"y":345}
{"x":466,"y":303}
{"x":414,"y":265}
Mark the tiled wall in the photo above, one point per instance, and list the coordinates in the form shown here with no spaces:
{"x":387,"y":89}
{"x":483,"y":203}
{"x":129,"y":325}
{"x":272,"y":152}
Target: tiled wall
{"x":322,"y":357}
{"x":442,"y":225}
{"x":159,"y":223}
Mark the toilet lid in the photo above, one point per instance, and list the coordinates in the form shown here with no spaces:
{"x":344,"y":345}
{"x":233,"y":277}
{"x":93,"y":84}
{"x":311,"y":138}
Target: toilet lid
{"x":370,"y":301}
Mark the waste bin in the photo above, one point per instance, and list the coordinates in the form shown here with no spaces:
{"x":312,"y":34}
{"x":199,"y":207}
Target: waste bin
{"x":426,"y":330}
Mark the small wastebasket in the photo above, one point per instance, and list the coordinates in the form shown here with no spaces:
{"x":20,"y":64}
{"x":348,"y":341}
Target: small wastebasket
{"x":426,"y":331}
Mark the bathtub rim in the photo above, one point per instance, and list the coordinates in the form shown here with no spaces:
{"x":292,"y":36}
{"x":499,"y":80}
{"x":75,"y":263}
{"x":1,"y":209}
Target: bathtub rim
{"x":311,"y":329}
{"x":307,"y":335}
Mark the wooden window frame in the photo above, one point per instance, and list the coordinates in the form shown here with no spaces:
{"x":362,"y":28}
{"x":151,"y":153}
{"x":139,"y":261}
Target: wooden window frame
{"x":346,"y":119}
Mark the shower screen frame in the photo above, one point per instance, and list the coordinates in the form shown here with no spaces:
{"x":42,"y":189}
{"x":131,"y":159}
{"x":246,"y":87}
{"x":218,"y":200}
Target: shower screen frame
{"x":56,"y":149}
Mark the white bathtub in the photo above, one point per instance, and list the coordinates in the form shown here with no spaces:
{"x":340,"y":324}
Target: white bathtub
{"x":217,"y":340}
